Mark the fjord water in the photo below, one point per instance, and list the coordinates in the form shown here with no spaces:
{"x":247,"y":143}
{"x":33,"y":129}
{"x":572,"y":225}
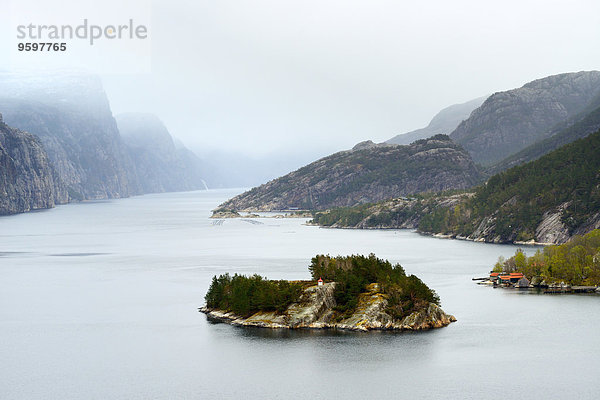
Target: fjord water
{"x":99,"y":301}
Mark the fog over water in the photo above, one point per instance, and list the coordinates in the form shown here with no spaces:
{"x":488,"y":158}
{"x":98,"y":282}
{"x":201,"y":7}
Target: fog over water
{"x":99,"y":300}
{"x":258,"y":88}
{"x":258,"y":77}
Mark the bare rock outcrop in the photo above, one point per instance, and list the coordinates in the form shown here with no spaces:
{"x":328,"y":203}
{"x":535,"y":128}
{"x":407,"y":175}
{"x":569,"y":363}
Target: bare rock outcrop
{"x":507,"y":122}
{"x":552,"y":229}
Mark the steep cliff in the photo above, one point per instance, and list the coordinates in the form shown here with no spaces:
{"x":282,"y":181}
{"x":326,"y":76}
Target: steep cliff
{"x":507,"y":122}
{"x":27,"y":180}
{"x":443,"y":122}
{"x":158,"y":165}
{"x":71,"y":116}
{"x":367,"y":173}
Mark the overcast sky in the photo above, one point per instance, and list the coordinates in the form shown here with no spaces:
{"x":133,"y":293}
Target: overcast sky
{"x":318,"y":76}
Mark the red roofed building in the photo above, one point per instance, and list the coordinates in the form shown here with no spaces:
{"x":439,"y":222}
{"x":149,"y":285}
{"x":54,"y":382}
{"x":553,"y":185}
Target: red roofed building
{"x":506,"y":278}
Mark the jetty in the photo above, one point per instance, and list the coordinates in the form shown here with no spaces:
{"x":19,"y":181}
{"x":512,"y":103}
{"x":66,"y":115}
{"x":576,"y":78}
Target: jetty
{"x":571,"y":289}
{"x":517,"y":280}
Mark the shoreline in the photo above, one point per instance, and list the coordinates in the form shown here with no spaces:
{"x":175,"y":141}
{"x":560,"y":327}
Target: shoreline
{"x":436,"y":318}
{"x":305,"y":214}
{"x":554,"y":288}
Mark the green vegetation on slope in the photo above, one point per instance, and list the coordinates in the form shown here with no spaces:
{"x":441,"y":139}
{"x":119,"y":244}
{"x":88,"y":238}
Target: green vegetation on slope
{"x":519,"y":197}
{"x":576,"y":262}
{"x":352,"y":275}
{"x":245,"y":295}
{"x":511,"y":204}
{"x":395,"y":213}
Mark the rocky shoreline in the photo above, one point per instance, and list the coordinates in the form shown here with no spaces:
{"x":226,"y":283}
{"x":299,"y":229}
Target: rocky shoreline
{"x":314,"y":310}
{"x":228,"y":214}
{"x":482,"y":240}
{"x":539,"y":285}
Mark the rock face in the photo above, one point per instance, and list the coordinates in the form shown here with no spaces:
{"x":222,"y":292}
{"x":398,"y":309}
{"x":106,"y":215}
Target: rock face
{"x":158,"y":165}
{"x":443,"y":123}
{"x":314,"y":310}
{"x":581,"y":126}
{"x":27,"y":180}
{"x":508,"y":122}
{"x":72,"y":118}
{"x":368,"y":174}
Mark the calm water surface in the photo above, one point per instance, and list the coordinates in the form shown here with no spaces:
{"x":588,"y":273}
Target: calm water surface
{"x":99,"y":301}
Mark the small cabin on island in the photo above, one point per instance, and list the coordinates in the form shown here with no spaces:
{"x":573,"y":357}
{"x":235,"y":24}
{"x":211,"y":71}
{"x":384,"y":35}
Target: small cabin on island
{"x":507,"y":278}
{"x":320,"y":282}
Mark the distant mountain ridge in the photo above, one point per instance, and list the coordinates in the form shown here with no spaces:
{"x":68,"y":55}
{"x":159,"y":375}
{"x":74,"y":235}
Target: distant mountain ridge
{"x":444,"y":122}
{"x":508,"y":122}
{"x":71,"y":116}
{"x":158,"y":164}
{"x":365,"y":174}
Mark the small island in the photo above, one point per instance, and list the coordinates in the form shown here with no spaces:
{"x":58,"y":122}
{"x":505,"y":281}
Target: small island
{"x":350,"y":293}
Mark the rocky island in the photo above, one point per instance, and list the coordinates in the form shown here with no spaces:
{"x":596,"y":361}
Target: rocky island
{"x":359,"y":293}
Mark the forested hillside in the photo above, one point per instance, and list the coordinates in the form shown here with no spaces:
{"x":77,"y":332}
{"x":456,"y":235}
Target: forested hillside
{"x":547,"y":200}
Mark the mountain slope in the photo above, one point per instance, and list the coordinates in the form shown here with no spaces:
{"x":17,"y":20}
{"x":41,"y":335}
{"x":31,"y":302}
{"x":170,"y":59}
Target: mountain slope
{"x":589,"y":124}
{"x":443,"y":122}
{"x":158,"y":164}
{"x":508,"y":122}
{"x":365,"y":174}
{"x":72,"y":117}
{"x":548,"y":201}
{"x":27,"y":180}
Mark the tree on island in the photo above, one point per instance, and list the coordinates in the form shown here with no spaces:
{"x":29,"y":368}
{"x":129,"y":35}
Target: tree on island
{"x":576,"y":262}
